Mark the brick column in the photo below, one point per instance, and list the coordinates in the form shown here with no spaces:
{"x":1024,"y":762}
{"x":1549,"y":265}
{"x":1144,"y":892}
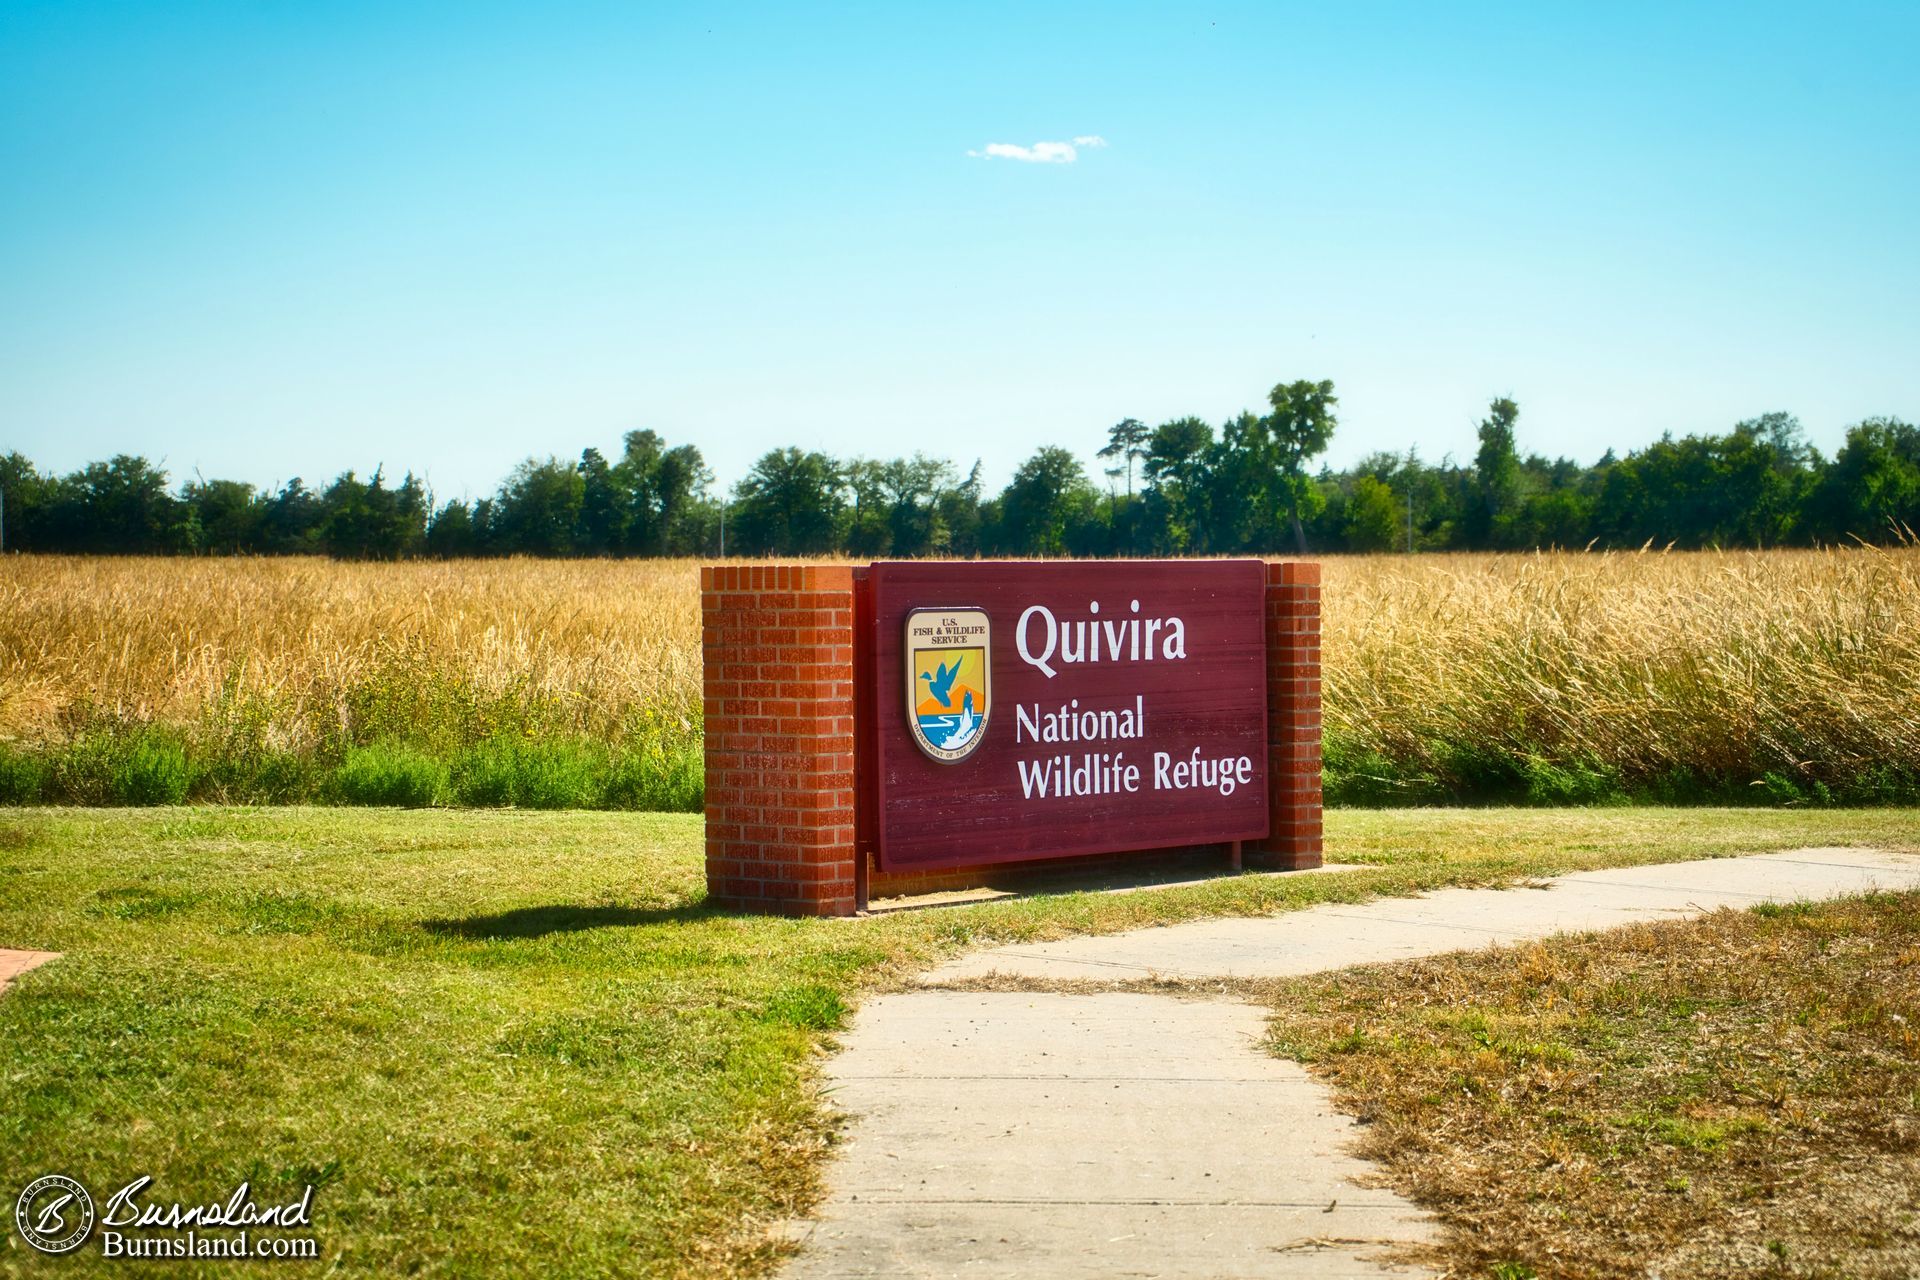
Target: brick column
{"x":1293,"y":718}
{"x":777,"y":641}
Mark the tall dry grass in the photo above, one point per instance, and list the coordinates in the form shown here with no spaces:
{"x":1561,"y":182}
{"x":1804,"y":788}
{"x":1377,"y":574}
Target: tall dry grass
{"x":1560,"y":677}
{"x":306,"y":646}
{"x":1572,"y":676}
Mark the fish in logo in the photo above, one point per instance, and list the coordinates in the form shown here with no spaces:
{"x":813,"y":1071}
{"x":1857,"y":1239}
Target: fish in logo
{"x":949,"y":674}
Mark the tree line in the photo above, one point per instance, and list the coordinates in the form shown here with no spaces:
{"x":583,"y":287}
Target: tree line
{"x":1182,"y":487}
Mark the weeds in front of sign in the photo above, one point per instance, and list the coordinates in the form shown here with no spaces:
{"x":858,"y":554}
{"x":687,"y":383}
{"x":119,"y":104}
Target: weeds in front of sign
{"x":144,"y":765}
{"x":1701,"y":1098}
{"x":392,"y":774}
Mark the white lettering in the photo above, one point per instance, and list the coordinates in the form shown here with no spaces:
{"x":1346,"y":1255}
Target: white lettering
{"x":1225,"y":774}
{"x":1083,"y":639}
{"x":1093,"y":773}
{"x":1068,"y":722}
{"x":1176,"y":639}
{"x":1073,"y":641}
{"x":1026,"y":651}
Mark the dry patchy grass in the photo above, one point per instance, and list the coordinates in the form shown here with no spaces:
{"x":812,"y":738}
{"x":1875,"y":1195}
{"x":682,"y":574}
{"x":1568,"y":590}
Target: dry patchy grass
{"x":1730,"y":1096}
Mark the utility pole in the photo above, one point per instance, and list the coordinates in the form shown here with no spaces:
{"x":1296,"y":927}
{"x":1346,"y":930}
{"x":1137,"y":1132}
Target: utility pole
{"x":3,"y":521}
{"x":1410,"y":474}
{"x":723,"y":528}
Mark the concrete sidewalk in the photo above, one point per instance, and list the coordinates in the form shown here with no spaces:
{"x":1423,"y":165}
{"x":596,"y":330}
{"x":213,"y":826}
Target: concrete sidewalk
{"x":1033,"y":1135}
{"x":1023,"y":1134}
{"x":15,"y":963}
{"x":1334,"y":937}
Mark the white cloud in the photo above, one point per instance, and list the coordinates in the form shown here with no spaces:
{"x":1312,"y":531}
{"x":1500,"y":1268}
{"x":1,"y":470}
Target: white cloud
{"x":1039,"y":152}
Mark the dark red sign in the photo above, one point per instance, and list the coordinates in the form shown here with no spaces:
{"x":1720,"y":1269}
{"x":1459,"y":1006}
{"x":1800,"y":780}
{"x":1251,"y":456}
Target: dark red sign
{"x":1033,"y":710}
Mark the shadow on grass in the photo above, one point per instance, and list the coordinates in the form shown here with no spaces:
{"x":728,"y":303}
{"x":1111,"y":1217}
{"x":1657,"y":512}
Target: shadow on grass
{"x":538,"y":922}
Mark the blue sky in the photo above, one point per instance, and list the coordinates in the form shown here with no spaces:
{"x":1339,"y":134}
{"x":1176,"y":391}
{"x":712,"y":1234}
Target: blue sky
{"x":270,"y":239}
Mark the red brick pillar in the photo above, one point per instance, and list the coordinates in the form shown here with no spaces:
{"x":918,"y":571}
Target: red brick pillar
{"x":777,"y":641}
{"x":1293,"y":718}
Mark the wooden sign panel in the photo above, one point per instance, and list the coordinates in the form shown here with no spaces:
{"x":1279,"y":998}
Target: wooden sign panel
{"x":1035,"y":710}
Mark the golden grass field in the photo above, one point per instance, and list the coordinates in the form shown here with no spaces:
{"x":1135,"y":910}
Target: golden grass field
{"x":181,"y":640}
{"x":1723,"y":664}
{"x":1804,"y":664}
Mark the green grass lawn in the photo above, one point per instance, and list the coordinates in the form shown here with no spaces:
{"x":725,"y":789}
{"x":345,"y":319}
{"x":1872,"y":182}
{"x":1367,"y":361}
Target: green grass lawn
{"x":509,"y":1041}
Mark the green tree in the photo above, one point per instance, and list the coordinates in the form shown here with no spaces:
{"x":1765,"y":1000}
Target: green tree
{"x":118,"y":506}
{"x":1372,"y":521}
{"x":365,"y":520}
{"x":1127,"y":440}
{"x":1496,"y":470}
{"x":869,"y":531}
{"x":1558,"y":518}
{"x":1749,"y":487}
{"x":1664,"y":493}
{"x":290,"y":522}
{"x":228,"y":514}
{"x":452,"y":532}
{"x":911,"y":488}
{"x":1766,"y":472}
{"x":1256,"y":475}
{"x":606,"y":505}
{"x":1044,"y":502}
{"x":676,"y":490}
{"x":790,"y":503}
{"x":1300,"y":428}
{"x":538,"y":509}
{"x":1179,"y":456}
{"x":1872,"y":489}
{"x":24,"y":496}
{"x":1244,"y":504}
{"x":661,"y":489}
{"x":960,"y":517}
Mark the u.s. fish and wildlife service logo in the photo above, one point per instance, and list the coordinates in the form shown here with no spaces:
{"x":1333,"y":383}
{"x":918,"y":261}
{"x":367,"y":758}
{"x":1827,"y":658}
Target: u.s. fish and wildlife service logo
{"x":949,"y":680}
